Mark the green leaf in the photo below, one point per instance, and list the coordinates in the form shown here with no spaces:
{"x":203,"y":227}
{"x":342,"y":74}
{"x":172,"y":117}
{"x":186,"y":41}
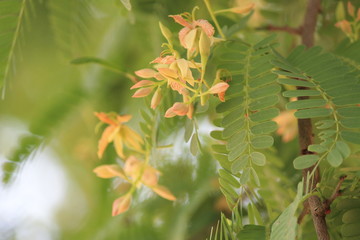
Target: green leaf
{"x":228,"y":188}
{"x":285,"y":226}
{"x":219,"y":148}
{"x":230,"y":104}
{"x":189,"y":128}
{"x":301,"y":93}
{"x":334,"y":158}
{"x":236,"y":140}
{"x":240,"y":163}
{"x":263,"y":102}
{"x":252,"y":232}
{"x":289,"y":74}
{"x":266,"y":127}
{"x":351,"y":216}
{"x":258,"y":158}
{"x":229,"y":178}
{"x":265,"y":41}
{"x":264,"y":115}
{"x":233,"y":128}
{"x":236,"y":152}
{"x":233,"y":116}
{"x":343,"y":148}
{"x":317,"y":148}
{"x":216,"y":135}
{"x":256,"y":177}
{"x":308,"y":103}
{"x":349,"y":112}
{"x":323,"y":124}
{"x":126,"y":4}
{"x":245,"y":176}
{"x":353,"y":137}
{"x":350,"y":122}
{"x":305,"y":161}
{"x":194,"y":144}
{"x":265,"y":91}
{"x":259,"y":142}
{"x":262,"y":80}
{"x":293,"y":82}
{"x":313,"y":113}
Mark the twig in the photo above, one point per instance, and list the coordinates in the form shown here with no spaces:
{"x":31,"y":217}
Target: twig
{"x":336,"y":193}
{"x":291,"y":30}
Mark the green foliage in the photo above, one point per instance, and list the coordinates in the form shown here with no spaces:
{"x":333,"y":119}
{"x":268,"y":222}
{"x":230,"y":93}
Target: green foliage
{"x":320,"y":75}
{"x":249,"y":108}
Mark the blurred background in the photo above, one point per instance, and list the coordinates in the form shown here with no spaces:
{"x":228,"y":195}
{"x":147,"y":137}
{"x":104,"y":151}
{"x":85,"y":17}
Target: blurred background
{"x":47,"y":140}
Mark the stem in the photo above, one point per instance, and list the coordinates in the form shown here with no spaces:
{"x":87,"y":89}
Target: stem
{"x":305,"y":128}
{"x":211,"y":12}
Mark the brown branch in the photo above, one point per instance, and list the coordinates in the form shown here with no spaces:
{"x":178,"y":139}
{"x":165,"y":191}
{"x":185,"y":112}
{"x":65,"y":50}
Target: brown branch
{"x":291,"y":30}
{"x":316,"y":207}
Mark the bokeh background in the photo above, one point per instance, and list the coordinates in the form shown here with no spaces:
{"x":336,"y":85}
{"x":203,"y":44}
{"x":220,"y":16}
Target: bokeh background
{"x":47,"y":140}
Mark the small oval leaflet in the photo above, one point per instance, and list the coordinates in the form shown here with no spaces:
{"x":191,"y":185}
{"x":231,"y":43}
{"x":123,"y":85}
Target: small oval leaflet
{"x":305,"y":161}
{"x":258,"y":158}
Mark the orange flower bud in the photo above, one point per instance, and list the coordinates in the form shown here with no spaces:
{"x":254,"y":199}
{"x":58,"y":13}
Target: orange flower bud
{"x":121,"y":205}
{"x":180,"y":109}
{"x":156,"y":98}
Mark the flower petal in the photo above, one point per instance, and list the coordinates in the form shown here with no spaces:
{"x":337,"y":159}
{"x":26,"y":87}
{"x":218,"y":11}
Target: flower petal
{"x":109,"y":171}
{"x":121,"y":205}
{"x":163,"y":192}
{"x":155,"y":100}
{"x":180,"y":20}
{"x":182,"y":34}
{"x":170,"y":113}
{"x":118,"y":144}
{"x":142,"y":83}
{"x":146,"y":73}
{"x":219,"y":87}
{"x":132,"y":167}
{"x":180,"y":109}
{"x":149,"y":177}
{"x":105,"y":118}
{"x":142,"y":92}
{"x":131,"y":138}
{"x":167,"y":72}
{"x":123,"y":118}
{"x":164,"y":60}
{"x":206,"y":26}
{"x":104,"y":140}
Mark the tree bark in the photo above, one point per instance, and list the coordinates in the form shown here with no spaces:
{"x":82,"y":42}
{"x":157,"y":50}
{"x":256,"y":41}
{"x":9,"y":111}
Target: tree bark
{"x":305,"y":129}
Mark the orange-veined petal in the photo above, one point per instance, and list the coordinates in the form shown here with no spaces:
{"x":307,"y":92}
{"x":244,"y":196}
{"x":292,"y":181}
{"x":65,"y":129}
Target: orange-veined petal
{"x":105,"y":118}
{"x":142,"y":92}
{"x":206,"y":26}
{"x":182,"y":34}
{"x":175,"y":85}
{"x":155,"y":100}
{"x":146,"y":73}
{"x":164,"y":60}
{"x":142,"y":83}
{"x":121,"y":205}
{"x":109,"y":171}
{"x":104,"y":140}
{"x":118,"y":144}
{"x":180,"y":109}
{"x":167,"y":72}
{"x":219,"y":87}
{"x":180,"y":20}
{"x":163,"y":192}
{"x":123,"y":118}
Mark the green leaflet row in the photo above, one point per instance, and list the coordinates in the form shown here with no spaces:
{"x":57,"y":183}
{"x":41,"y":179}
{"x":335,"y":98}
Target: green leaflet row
{"x":328,"y":90}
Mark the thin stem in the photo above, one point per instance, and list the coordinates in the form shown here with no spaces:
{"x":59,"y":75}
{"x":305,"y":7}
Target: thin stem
{"x":211,"y":12}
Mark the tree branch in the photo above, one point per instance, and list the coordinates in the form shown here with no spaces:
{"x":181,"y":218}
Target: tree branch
{"x":317,"y":208}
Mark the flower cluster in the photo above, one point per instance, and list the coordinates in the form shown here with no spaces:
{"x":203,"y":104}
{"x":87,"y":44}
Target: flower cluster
{"x":350,"y":28}
{"x":183,"y":75}
{"x":134,"y":171}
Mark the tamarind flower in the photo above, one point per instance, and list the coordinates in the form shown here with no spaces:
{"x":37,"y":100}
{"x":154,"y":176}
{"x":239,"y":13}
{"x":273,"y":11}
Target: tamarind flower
{"x":135,"y":172}
{"x":180,"y":109}
{"x":118,"y":133}
{"x":219,"y":89}
{"x":188,"y":33}
{"x":287,"y":123}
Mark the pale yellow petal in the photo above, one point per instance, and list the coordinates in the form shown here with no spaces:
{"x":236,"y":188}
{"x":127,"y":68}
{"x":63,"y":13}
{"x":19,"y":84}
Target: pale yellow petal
{"x":104,"y":140}
{"x":118,"y":144}
{"x":131,"y":138}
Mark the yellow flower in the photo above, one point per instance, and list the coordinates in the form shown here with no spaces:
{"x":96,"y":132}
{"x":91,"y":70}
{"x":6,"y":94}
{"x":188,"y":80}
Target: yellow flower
{"x":118,"y":133}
